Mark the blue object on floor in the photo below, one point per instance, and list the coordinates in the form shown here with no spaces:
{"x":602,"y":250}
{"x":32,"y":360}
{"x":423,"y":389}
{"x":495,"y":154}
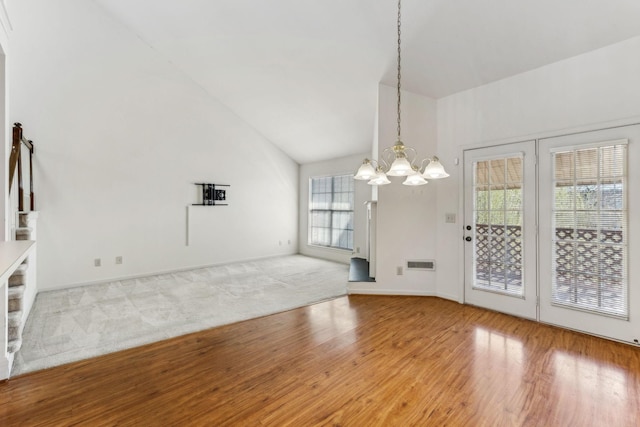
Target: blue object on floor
{"x":359,"y":270}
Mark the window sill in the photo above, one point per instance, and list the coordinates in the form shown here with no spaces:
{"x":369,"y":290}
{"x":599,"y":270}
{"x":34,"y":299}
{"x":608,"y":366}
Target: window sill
{"x":328,"y":248}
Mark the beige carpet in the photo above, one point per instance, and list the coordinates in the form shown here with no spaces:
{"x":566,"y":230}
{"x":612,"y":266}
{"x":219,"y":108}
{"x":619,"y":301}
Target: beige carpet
{"x":87,"y":321}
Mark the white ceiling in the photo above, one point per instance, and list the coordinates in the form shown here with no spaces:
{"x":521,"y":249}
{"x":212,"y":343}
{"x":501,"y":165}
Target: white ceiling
{"x":305,"y":73}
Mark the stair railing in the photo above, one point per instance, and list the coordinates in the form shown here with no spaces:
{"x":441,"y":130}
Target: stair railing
{"x":15,"y":162}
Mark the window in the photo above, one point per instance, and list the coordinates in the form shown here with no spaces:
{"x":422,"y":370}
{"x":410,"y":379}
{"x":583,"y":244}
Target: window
{"x":498,"y":213}
{"x":590,"y":228}
{"x":331,"y":212}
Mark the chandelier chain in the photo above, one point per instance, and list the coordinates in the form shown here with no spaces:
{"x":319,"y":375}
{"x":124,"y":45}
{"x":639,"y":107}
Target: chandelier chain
{"x":399,"y":69}
{"x":400,"y":160}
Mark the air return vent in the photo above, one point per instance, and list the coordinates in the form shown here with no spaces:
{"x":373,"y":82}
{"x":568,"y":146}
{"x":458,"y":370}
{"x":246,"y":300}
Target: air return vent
{"x":423,"y":264}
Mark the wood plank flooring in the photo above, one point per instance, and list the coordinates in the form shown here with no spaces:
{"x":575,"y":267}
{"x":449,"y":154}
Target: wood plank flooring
{"x":353,"y":361}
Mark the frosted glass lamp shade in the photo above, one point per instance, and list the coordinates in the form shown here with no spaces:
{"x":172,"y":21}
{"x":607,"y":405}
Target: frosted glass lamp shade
{"x":434,"y":170}
{"x":400,"y":167}
{"x":365,"y":171}
{"x":380,"y":179}
{"x":415,"y":179}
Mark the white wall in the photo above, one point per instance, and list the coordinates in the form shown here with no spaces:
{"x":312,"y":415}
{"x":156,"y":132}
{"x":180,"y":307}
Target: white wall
{"x":588,"y":92}
{"x":121,"y":135}
{"x":6,"y":129}
{"x":406,"y":215}
{"x":6,"y":360}
{"x":342,"y":166}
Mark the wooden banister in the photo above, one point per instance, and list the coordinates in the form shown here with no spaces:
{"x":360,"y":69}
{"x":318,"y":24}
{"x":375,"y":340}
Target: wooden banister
{"x":15,"y":164}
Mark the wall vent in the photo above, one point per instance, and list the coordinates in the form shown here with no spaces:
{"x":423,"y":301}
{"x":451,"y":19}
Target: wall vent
{"x":423,"y":264}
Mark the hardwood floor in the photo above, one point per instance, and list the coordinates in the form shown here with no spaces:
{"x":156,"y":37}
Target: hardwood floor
{"x":353,"y":361}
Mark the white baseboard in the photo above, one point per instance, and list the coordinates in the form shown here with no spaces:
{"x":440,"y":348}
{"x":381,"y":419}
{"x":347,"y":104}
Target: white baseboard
{"x":377,"y":291}
{"x":450,"y":297}
{"x":160,"y":272}
{"x":405,"y":292}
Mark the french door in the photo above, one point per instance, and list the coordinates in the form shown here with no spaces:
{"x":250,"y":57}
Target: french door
{"x":557,"y":243}
{"x":588,"y":235}
{"x":500,"y":228}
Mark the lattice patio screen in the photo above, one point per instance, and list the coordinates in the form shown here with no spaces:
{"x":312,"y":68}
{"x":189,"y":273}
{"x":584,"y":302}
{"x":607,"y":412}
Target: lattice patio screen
{"x":590,"y":228}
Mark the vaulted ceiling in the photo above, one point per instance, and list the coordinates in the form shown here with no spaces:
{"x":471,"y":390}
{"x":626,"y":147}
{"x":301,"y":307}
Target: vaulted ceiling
{"x":305,"y":73}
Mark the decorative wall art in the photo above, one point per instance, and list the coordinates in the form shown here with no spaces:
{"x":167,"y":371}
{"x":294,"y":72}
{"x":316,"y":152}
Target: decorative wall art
{"x":213,"y":195}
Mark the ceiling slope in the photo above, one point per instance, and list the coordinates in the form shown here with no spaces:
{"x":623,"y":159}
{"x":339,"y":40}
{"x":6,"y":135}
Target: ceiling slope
{"x":305,"y":73}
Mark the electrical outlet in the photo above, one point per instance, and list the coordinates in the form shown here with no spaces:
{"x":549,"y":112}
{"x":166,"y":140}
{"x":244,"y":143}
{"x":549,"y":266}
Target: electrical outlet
{"x":118,"y":260}
{"x":358,"y":250}
{"x":280,"y":242}
{"x":399,"y":271}
{"x":97,"y":262}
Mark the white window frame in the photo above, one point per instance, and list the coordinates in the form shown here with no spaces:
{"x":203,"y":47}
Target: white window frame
{"x":331,"y":210}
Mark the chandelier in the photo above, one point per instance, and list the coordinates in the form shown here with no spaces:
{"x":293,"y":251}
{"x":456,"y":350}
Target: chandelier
{"x":400,"y":160}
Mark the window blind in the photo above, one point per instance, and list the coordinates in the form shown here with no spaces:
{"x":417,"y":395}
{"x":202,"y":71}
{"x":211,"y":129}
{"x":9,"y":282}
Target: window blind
{"x":590,"y":225}
{"x":331,"y":211}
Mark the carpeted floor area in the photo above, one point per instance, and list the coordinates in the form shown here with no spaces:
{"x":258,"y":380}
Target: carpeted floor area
{"x":87,"y":321}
